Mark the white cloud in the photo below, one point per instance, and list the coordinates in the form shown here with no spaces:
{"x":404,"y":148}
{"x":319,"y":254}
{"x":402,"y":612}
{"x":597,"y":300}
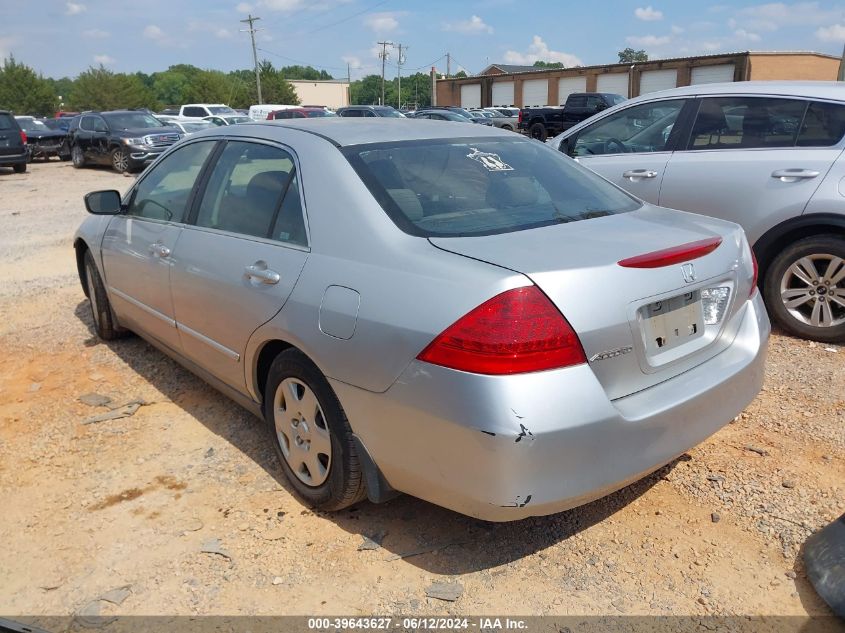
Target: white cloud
{"x":281,"y":5}
{"x":96,"y":34}
{"x":539,"y":50}
{"x":832,"y":33}
{"x":746,"y":35}
{"x":105,"y":60}
{"x":774,"y":15}
{"x":352,"y":60}
{"x":202,"y":26}
{"x":648,"y":14}
{"x":152,"y":32}
{"x":223,"y":34}
{"x":382,"y":22}
{"x":6,"y":44}
{"x":74,"y":8}
{"x":677,"y":30}
{"x":648,"y":40}
{"x":474,"y":25}
{"x":243,"y":7}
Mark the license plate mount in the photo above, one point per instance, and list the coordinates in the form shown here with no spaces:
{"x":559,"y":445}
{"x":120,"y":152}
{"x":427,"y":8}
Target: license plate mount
{"x":672,"y":322}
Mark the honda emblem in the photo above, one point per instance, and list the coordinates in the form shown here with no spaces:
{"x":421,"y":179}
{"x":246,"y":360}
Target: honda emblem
{"x":688,"y":271}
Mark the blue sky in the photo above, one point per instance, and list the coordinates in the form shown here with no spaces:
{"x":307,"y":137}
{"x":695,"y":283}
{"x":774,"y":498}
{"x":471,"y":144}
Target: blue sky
{"x":61,"y":37}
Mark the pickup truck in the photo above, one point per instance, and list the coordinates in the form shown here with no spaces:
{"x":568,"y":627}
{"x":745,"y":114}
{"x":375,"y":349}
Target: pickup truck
{"x":541,"y":123}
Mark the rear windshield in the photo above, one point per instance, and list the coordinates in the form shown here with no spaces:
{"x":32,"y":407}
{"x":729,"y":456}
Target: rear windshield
{"x":311,"y":114}
{"x":461,"y":187}
{"x":7,"y":122}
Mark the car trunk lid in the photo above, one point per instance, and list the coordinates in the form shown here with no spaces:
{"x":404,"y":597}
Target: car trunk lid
{"x":620,"y":312}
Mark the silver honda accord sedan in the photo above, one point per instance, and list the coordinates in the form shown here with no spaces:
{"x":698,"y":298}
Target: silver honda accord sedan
{"x":464,"y":315}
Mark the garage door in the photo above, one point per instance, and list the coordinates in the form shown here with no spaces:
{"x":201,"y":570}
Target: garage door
{"x":471,"y":96}
{"x":503,"y":93}
{"x":712,"y":74}
{"x":567,"y":85}
{"x":616,"y":83}
{"x":654,"y":80}
{"x":535,"y":92}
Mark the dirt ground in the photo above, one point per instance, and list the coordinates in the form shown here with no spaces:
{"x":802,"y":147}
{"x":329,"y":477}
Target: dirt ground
{"x":132,"y":503}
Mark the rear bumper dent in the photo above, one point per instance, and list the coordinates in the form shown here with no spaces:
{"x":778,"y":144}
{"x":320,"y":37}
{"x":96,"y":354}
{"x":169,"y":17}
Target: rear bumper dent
{"x":502,"y":448}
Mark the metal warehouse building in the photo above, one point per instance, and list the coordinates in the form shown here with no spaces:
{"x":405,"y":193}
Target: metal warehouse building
{"x":524,"y":86}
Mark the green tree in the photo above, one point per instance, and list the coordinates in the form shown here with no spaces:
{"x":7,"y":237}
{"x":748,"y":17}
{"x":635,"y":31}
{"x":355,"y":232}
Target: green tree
{"x":541,"y":64}
{"x":208,"y":86}
{"x":367,"y":90}
{"x":304,"y":72}
{"x":629,"y":55}
{"x":102,"y":89}
{"x":61,"y":87}
{"x":461,"y":74}
{"x":25,"y":92}
{"x":274,"y":87}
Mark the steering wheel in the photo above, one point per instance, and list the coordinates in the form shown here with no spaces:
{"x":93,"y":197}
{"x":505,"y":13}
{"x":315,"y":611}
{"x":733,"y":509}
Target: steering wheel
{"x":614,"y":146}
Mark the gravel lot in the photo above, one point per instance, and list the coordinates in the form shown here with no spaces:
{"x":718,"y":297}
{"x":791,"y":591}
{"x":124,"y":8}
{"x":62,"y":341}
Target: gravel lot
{"x":89,"y":508}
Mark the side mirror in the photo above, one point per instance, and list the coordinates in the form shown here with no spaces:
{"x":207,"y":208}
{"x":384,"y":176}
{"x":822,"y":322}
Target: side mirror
{"x":103,"y":202}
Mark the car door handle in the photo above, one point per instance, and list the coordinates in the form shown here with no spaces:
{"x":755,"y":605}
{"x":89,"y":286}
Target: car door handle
{"x":159,"y":249}
{"x":791,"y":175}
{"x":639,"y":173}
{"x":264,"y":275}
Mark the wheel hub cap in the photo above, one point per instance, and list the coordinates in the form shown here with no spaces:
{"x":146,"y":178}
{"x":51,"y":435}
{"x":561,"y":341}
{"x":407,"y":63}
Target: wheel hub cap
{"x":302,"y":432}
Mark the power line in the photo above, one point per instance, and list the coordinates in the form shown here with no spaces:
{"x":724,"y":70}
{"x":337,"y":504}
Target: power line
{"x":346,"y":19}
{"x":251,"y":30}
{"x":304,"y":63}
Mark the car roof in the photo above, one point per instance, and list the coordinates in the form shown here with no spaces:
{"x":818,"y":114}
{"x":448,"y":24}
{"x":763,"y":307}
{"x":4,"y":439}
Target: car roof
{"x":344,"y":132}
{"x":817,"y":89}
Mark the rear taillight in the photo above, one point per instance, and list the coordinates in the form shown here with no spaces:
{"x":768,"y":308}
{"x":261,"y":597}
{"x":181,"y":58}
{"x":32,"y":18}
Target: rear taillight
{"x":674,"y":255}
{"x":519,"y":120}
{"x":515,"y":332}
{"x":756,"y":271}
{"x":23,"y":137}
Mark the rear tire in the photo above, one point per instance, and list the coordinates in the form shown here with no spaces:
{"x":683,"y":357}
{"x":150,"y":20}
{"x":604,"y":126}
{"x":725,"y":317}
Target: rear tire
{"x":538,"y":131}
{"x":804,"y":289}
{"x":19,"y":168}
{"x":105,"y":322}
{"x":301,"y":411}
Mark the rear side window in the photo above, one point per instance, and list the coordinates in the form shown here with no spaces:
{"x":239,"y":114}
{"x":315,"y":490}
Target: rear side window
{"x":824,"y":125}
{"x":577,"y":101}
{"x":164,"y":192}
{"x":746,"y":123}
{"x":457,"y":187}
{"x":7,"y":122}
{"x":245,"y":194}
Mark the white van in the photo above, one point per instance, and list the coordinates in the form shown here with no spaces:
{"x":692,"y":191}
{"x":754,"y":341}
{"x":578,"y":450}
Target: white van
{"x":260,"y":112}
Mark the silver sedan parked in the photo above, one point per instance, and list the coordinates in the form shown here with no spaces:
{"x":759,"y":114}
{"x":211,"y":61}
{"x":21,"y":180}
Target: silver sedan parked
{"x":454,"y":312}
{"x":768,"y":155}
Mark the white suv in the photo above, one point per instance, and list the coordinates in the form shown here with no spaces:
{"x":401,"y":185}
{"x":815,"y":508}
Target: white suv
{"x":767,"y":155}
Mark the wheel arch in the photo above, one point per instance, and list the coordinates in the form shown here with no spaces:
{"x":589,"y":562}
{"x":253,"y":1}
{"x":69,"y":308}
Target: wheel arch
{"x":779,"y":237}
{"x":81,"y":247}
{"x":264,"y":359}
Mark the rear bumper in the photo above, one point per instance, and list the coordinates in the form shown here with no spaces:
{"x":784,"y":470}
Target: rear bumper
{"x":501,"y":448}
{"x":13,"y":159}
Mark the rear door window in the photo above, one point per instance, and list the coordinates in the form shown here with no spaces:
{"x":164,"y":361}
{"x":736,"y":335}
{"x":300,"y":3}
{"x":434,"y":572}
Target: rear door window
{"x":194,"y":111}
{"x":252,"y":190}
{"x":823,"y":126}
{"x":746,"y":123}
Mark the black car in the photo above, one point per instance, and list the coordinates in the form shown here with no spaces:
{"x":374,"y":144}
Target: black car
{"x":541,"y":123}
{"x":472,"y":116}
{"x":13,"y":152}
{"x":369,"y":111}
{"x":42,"y":141}
{"x":125,"y":139}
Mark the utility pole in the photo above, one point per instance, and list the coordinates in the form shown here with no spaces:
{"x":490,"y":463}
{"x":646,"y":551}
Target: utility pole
{"x":348,"y":85}
{"x":448,"y":65}
{"x":433,"y":86}
{"x":400,"y":60}
{"x":252,"y":31}
{"x":383,"y":56}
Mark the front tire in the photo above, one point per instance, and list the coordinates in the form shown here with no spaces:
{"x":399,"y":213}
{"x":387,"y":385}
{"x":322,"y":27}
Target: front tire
{"x":105,"y":322}
{"x":120,"y":160}
{"x":77,"y":156}
{"x":804,"y":289}
{"x":311,"y":434}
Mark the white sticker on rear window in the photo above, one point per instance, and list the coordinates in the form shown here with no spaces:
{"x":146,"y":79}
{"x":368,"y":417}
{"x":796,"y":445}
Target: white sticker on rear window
{"x":491,"y":162}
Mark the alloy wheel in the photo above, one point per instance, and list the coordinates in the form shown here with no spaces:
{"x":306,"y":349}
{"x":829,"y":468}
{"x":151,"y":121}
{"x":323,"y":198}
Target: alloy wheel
{"x":120,"y":161}
{"x":813,"y":290}
{"x":302,"y":432}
